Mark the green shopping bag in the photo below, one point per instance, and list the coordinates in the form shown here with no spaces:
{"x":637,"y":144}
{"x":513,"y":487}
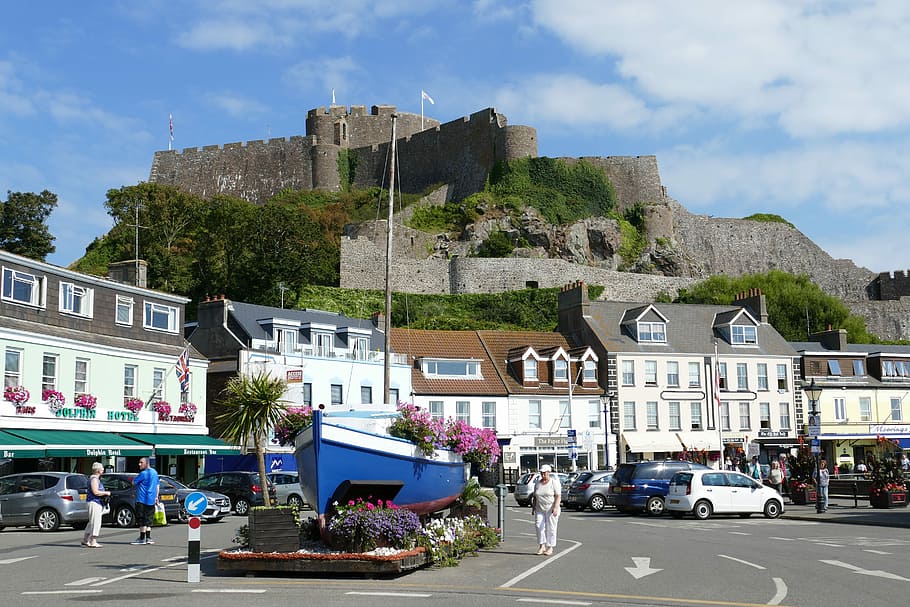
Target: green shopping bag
{"x":160,"y":518}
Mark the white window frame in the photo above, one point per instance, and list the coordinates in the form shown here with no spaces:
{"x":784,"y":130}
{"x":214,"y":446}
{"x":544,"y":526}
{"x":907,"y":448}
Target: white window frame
{"x":50,"y":365}
{"x":463,"y":411}
{"x":76,"y":299}
{"x":529,"y":369}
{"x":628,"y":415}
{"x":324,"y":344}
{"x":156,"y":312}
{"x":628,"y":372}
{"x":782,"y":382}
{"x":488,"y":414}
{"x":12,"y":371}
{"x":437,"y":409}
{"x":130,"y":381}
{"x":696,"y":413}
{"x":589,"y":371}
{"x":81,"y":372}
{"x":366,"y":395}
{"x":897,"y":413}
{"x":560,"y":370}
{"x":743,"y":335}
{"x":764,"y":415}
{"x":784,"y":415}
{"x":672,"y":373}
{"x":652,"y":417}
{"x":694,"y":374}
{"x":762,"y":373}
{"x":742,"y":377}
{"x":124,"y":307}
{"x":722,"y":381}
{"x":594,"y":413}
{"x":534,"y":413}
{"x":565,"y":414}
{"x":865,"y":409}
{"x":840,"y":409}
{"x":675,"y":412}
{"x":16,"y":280}
{"x":652,"y":332}
{"x":452,"y":368}
{"x":745,"y":416}
{"x":725,"y":416}
{"x":650,"y":372}
{"x":360,"y":348}
{"x":159,"y":381}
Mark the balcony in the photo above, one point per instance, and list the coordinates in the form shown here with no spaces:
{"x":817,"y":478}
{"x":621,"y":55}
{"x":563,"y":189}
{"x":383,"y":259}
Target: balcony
{"x":316,"y":352}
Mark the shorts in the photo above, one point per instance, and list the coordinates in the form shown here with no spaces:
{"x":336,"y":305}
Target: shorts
{"x":144,"y":514}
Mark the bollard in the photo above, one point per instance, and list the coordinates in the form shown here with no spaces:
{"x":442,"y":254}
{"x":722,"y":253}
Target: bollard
{"x":855,"y":498}
{"x":502,"y":492}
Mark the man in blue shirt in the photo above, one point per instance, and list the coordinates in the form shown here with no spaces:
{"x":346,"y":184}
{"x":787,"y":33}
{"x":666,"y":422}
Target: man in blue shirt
{"x":146,"y":483}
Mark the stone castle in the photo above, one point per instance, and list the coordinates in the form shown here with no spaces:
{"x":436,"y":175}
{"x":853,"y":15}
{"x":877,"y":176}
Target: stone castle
{"x":350,"y":146}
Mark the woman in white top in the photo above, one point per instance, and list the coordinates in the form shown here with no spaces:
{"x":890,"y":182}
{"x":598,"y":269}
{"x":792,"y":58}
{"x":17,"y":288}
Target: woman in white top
{"x":545,"y":503}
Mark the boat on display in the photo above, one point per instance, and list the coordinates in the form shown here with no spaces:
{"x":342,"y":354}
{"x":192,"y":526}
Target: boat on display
{"x":345,"y":455}
{"x":348,"y":455}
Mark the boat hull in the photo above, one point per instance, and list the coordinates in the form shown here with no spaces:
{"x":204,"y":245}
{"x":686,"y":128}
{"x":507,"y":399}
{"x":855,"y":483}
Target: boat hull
{"x":339,"y":461}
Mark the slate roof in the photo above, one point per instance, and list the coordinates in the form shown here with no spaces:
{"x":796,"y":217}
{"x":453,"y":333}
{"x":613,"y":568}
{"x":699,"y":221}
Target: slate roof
{"x":419,"y":343}
{"x":690,"y":330}
{"x":247,"y":316}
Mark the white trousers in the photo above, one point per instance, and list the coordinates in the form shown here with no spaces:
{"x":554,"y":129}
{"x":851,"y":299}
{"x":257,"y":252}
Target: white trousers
{"x":94,"y":519}
{"x":546,"y":523}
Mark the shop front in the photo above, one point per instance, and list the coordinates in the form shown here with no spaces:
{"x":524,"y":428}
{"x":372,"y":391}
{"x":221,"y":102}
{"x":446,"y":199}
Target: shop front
{"x":75,"y":450}
{"x":183,"y":456}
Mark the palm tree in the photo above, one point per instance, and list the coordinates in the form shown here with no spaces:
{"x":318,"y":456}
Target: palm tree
{"x":251,"y":407}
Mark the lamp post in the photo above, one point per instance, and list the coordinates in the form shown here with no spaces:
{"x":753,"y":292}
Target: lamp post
{"x":813,"y":393}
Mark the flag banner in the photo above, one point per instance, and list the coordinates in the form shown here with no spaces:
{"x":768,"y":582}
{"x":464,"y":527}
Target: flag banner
{"x":171,"y":125}
{"x":183,"y":371}
{"x":423,"y":95}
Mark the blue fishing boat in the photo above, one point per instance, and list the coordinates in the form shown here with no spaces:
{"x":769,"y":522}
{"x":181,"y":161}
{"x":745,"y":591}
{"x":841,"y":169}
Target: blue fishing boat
{"x":347,"y":455}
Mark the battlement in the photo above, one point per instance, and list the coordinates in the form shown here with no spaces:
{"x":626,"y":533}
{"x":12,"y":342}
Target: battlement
{"x":889,"y":285}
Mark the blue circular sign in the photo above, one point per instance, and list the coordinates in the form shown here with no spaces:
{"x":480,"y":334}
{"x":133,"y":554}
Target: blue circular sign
{"x":195,"y":503}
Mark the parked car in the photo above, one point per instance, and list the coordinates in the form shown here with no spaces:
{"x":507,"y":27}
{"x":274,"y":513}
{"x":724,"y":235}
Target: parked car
{"x":123,"y":499}
{"x":591,"y":489}
{"x":287,"y":487}
{"x":524,"y":486}
{"x":643,"y":486}
{"x":45,"y":500}
{"x":704,"y":492}
{"x":244,"y":489}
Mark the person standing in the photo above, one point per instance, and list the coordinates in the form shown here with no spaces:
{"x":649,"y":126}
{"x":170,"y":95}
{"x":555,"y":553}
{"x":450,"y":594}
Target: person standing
{"x":776,"y":476}
{"x":545,"y":504}
{"x":146,"y":483}
{"x":822,"y":482}
{"x":754,"y":469}
{"x":96,"y":493}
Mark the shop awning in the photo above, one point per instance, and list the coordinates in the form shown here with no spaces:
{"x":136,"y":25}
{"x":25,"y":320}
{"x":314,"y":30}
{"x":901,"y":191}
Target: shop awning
{"x":185,"y":444}
{"x":74,"y":443}
{"x":12,"y":446}
{"x":655,"y":442}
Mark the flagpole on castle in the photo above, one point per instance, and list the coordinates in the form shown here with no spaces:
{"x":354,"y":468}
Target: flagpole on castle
{"x":423,"y":95}
{"x":170,"y":125}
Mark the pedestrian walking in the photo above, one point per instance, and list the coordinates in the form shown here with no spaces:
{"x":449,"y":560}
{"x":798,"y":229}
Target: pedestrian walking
{"x":146,"y":497}
{"x":545,"y":504}
{"x":96,"y":497}
{"x":822,"y":484}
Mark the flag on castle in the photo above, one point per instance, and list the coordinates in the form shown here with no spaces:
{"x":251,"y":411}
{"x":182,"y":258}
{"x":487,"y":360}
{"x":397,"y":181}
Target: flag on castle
{"x":183,"y":371}
{"x":171,"y":125}
{"x":423,"y":95}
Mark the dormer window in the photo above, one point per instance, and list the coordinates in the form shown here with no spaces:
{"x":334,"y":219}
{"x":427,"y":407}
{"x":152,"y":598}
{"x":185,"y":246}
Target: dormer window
{"x":560,"y":370}
{"x":287,"y":340}
{"x":324,"y":344}
{"x":833,"y":367}
{"x":590,"y":372}
{"x":530,"y":369}
{"x":654,"y":332}
{"x":466,"y":369}
{"x":743,"y":335}
{"x":858,"y":368}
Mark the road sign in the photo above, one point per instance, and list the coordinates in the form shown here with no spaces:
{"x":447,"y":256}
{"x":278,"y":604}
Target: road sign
{"x":195,"y":503}
{"x":571,"y":437}
{"x":573,"y":452}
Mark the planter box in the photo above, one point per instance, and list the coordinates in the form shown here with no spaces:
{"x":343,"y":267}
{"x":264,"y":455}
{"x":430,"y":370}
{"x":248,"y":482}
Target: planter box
{"x":803,"y":497}
{"x":890,"y":499}
{"x":273,"y":530}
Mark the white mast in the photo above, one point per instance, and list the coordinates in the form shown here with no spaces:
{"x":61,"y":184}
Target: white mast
{"x":387,"y":373}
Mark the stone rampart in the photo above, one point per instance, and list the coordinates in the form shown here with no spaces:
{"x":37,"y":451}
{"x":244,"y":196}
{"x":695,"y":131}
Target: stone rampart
{"x":635,"y":178}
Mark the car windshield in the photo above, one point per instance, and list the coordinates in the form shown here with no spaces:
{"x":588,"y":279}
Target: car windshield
{"x":174,"y":482}
{"x":583,"y":477}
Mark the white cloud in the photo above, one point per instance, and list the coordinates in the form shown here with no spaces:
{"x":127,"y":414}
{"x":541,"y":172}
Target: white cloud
{"x":236,"y":105}
{"x":319,"y":77}
{"x":230,"y":34}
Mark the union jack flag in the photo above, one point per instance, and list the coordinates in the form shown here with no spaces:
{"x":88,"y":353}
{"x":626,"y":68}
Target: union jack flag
{"x":183,"y":371}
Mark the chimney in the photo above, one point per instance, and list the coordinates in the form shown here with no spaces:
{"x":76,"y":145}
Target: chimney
{"x":132,"y":272}
{"x":378,"y":319}
{"x":754,"y":301}
{"x":831,"y":339}
{"x":212,"y":313}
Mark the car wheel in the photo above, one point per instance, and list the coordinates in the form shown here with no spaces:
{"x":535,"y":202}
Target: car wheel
{"x":676,"y":514}
{"x":655,"y":505}
{"x":241,"y":507}
{"x":295,"y":501}
{"x":702,"y":510}
{"x":47,"y":519}
{"x":597,"y":503}
{"x":773,"y":509}
{"x":124,"y":517}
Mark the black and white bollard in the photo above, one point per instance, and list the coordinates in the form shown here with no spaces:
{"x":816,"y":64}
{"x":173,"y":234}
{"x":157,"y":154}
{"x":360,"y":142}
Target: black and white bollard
{"x":193,"y":536}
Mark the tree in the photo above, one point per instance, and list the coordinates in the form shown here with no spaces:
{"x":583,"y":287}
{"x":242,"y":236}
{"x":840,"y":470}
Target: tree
{"x":251,"y":407}
{"x":23,"y":227}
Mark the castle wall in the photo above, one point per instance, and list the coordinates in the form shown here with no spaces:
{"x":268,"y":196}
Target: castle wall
{"x":891,"y":285}
{"x":887,"y":320}
{"x":362,"y":129}
{"x":634,"y":178}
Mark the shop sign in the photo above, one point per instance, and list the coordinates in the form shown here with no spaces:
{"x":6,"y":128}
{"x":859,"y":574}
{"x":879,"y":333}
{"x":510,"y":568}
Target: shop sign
{"x":295,"y":376}
{"x":122,"y":416}
{"x":889,"y":429}
{"x":772,"y":434}
{"x":551,"y":441}
{"x":76,"y":413}
{"x":25,"y":410}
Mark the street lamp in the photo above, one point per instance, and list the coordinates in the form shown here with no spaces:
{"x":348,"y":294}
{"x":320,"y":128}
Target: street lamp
{"x":813,"y":393}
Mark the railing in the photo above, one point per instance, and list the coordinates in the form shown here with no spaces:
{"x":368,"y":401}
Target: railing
{"x":311,"y":352}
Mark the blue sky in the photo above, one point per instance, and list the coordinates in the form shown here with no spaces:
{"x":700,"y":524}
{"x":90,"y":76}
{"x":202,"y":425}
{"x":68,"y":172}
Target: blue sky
{"x":788,"y":107}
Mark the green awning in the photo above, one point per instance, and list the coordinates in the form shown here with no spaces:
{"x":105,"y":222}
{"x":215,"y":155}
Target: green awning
{"x":185,"y":444}
{"x":12,"y":446}
{"x":73,"y":443}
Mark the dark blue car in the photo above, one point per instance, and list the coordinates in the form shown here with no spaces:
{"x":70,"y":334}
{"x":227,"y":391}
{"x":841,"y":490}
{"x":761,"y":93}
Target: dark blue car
{"x":643,"y":486}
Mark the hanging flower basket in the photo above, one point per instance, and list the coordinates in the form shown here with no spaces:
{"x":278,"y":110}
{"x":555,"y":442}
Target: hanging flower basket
{"x":53,"y":399}
{"x":17,"y":395}
{"x":86,"y":401}
{"x":134,"y":405}
{"x":162,"y":408}
{"x":188,"y":410}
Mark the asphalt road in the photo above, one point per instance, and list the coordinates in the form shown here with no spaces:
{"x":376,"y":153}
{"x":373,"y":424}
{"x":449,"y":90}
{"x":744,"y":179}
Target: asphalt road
{"x":603,"y":558}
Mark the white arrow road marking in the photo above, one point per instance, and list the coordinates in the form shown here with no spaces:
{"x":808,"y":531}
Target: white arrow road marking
{"x":872,"y":572}
{"x":85,"y":581}
{"x":21,"y":558}
{"x":642,"y":567}
{"x":192,"y":505}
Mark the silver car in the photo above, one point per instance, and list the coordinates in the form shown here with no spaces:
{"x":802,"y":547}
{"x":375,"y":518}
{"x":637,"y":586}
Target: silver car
{"x":591,"y":489}
{"x":287,"y":485}
{"x":45,"y":500}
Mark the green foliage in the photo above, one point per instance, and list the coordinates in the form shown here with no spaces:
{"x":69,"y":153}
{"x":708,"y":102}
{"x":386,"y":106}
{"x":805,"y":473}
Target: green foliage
{"x":769,"y":218}
{"x":633,"y":242}
{"x":790,"y":300}
{"x":474,"y":496}
{"x":562,"y":192}
{"x":800,"y":469}
{"x":496,"y":245}
{"x":23,"y":224}
{"x":347,"y":168}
